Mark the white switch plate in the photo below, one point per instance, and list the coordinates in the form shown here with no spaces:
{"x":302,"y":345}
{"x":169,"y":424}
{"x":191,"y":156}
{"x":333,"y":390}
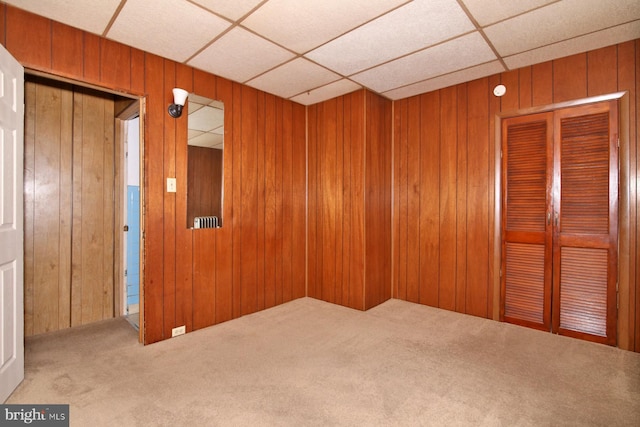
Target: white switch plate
{"x":171,"y":185}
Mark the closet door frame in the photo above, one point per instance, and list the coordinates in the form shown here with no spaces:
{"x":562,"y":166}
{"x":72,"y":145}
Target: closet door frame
{"x":626,"y":234}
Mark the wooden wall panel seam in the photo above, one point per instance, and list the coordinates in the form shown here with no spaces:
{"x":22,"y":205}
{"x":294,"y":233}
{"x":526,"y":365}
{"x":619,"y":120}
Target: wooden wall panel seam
{"x":546,"y":86}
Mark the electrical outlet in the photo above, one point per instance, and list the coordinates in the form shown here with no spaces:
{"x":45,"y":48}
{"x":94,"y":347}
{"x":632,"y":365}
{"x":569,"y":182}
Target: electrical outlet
{"x":180,"y":330}
{"x":171,"y":185}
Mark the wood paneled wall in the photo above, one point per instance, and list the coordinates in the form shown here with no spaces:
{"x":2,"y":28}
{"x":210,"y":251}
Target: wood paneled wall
{"x":349,"y":234}
{"x":444,"y":168}
{"x":443,"y":206}
{"x":195,"y":278}
{"x":70,"y":224}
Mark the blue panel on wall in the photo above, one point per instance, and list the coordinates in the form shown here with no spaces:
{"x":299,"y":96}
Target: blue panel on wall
{"x":133,"y":245}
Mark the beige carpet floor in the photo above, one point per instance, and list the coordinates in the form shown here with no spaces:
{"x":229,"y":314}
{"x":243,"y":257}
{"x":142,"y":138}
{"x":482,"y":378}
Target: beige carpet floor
{"x":310,"y":363}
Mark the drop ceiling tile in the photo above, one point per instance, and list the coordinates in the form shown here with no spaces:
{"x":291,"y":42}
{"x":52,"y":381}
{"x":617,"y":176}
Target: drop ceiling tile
{"x":89,"y":15}
{"x":208,"y":140}
{"x":240,"y":55}
{"x":487,"y":12}
{"x":447,"y":80}
{"x":608,"y":37}
{"x":463,"y":52}
{"x":206,"y":119}
{"x":293,"y":78}
{"x":329,"y":91}
{"x":559,"y":21}
{"x":233,"y":10}
{"x":173,"y":29}
{"x":302,"y":26}
{"x":414,"y":26}
{"x":199,"y":101}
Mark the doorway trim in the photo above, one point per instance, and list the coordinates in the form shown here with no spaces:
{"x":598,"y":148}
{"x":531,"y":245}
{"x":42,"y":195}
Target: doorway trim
{"x":626,"y":310}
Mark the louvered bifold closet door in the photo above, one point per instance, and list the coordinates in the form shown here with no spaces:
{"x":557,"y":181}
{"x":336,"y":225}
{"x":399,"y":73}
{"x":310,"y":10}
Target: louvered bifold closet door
{"x":527,"y":236}
{"x":585,"y":236}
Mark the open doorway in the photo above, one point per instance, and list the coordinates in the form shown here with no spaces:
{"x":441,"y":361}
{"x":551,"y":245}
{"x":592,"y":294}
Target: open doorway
{"x":74,"y":203}
{"x":132,"y":227}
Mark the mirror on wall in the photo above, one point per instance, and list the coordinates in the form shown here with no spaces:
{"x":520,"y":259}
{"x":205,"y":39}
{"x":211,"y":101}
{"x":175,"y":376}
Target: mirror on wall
{"x":205,"y":166}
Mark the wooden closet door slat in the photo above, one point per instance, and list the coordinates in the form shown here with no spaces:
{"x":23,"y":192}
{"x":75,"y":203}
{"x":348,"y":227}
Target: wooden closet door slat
{"x":586,"y":235}
{"x":526,"y":278}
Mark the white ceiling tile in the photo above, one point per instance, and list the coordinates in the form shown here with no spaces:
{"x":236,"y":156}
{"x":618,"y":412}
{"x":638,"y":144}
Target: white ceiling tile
{"x":447,"y":80}
{"x":393,"y":35}
{"x":206,"y":119}
{"x":173,"y":29}
{"x":89,"y":15}
{"x":302,"y":26}
{"x":329,"y":91}
{"x":488,"y":12}
{"x":198,"y":101}
{"x":608,"y":37}
{"x":207,"y":140}
{"x":460,"y":53}
{"x":395,"y":47}
{"x":240,"y":55}
{"x":559,"y":21}
{"x":292,"y":78}
{"x":232,"y":9}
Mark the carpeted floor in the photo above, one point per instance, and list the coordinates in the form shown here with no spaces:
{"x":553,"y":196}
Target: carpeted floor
{"x":310,"y":363}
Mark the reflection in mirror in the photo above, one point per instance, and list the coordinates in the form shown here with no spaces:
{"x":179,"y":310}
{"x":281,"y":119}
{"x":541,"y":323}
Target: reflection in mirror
{"x":205,"y":153}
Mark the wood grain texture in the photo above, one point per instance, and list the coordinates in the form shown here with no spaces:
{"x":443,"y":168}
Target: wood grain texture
{"x":478,"y":205}
{"x":154,"y":186}
{"x":430,"y":200}
{"x":67,"y":49}
{"x":511,"y":99}
{"x":357,"y":170}
{"x":184,"y":241}
{"x":447,"y":192}
{"x":570,"y":78}
{"x":628,"y":196}
{"x":493,"y":203}
{"x":602,"y":78}
{"x":29,"y":38}
{"x":270,"y":203}
{"x":116,"y":65}
{"x":204,"y":183}
{"x":91,"y":58}
{"x":413,"y":200}
{"x":70,"y":207}
{"x":350,"y":183}
{"x":298,"y":202}
{"x":169,"y":205}
{"x":29,"y":182}
{"x":462,"y":186}
{"x":402,"y":216}
{"x":552,"y":81}
{"x":3,"y":24}
{"x":224,"y":260}
{"x":629,"y":79}
{"x":542,"y":84}
{"x":377,"y":201}
{"x":525,"y":85}
{"x":249,"y":202}
{"x":48,"y":144}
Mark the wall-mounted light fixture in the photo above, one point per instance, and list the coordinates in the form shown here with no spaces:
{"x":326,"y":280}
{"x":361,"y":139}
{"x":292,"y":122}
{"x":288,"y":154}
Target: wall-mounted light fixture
{"x":179,"y":98}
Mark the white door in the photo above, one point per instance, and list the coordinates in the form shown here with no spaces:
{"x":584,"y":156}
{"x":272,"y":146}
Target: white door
{"x":11,"y":224}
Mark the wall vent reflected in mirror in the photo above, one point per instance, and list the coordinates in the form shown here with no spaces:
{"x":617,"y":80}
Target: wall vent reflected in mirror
{"x":205,"y":166}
